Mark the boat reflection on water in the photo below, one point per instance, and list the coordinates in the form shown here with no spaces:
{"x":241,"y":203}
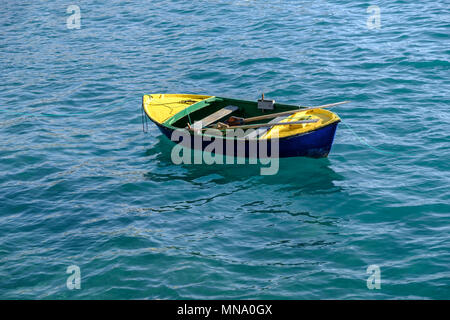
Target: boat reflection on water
{"x":295,"y":175}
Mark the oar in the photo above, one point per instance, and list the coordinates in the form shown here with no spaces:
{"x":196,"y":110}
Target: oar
{"x":239,"y":121}
{"x":223,"y":126}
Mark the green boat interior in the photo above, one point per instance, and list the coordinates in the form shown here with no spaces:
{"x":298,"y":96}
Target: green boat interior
{"x":205,"y":108}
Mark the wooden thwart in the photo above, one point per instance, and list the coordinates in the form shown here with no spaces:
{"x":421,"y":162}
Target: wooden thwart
{"x":198,"y":125}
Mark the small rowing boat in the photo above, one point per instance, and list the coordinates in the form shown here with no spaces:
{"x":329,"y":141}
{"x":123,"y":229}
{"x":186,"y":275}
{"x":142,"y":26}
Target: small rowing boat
{"x":298,"y":131}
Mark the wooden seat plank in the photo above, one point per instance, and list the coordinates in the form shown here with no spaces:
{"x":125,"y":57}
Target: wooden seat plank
{"x":214,"y":117}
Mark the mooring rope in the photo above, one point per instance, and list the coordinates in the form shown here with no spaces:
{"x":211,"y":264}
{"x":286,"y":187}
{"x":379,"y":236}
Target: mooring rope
{"x":363,"y":141}
{"x":144,"y":127}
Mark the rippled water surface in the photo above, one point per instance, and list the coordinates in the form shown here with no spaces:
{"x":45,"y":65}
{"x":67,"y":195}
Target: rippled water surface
{"x":81,"y":184}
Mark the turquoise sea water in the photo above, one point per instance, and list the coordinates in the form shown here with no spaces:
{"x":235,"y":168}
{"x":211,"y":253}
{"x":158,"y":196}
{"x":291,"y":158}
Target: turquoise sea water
{"x":80,"y":184}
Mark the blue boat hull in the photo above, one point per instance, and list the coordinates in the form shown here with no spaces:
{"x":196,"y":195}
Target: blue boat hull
{"x":314,"y":144}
